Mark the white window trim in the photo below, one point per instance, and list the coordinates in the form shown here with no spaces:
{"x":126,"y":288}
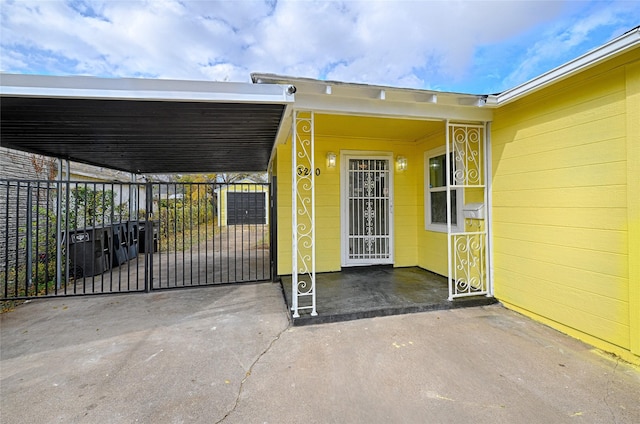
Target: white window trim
{"x":428,"y":225}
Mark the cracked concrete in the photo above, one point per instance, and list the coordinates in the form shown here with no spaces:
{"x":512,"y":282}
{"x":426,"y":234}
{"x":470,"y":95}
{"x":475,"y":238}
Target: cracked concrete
{"x":248,"y":374}
{"x":229,"y":355}
{"x":607,"y":392}
{"x":172,"y":356}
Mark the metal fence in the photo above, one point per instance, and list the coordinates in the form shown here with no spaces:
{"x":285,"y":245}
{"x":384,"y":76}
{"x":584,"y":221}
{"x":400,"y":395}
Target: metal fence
{"x":76,"y":238}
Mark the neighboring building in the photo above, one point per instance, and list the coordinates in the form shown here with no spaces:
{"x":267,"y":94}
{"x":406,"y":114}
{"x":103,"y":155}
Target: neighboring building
{"x":243,"y":202}
{"x":16,"y":164}
{"x":551,"y":168}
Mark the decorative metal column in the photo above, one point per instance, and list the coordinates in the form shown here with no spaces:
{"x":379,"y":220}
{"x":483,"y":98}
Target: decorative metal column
{"x":303,"y":231}
{"x":466,"y":166}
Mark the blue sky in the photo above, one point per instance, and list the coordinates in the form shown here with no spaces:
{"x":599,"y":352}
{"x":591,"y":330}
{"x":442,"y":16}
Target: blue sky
{"x":460,"y":46}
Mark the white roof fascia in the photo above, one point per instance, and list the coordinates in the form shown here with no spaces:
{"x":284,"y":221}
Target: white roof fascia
{"x":83,"y":87}
{"x":609,"y":50}
{"x":368,"y":100}
{"x":391,"y":109}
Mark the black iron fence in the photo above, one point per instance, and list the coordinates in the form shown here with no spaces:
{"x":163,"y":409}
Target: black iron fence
{"x":75,"y":238}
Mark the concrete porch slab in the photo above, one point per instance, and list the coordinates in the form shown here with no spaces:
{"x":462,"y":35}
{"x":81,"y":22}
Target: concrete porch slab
{"x":367,"y":292}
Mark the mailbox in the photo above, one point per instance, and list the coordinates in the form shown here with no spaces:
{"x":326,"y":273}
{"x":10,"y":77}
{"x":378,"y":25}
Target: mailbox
{"x":473,"y":210}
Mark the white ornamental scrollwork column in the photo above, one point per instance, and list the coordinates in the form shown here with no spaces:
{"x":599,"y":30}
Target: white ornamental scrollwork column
{"x":303,"y":264}
{"x":466,"y":163}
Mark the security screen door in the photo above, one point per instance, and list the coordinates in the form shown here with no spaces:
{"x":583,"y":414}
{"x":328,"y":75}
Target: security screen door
{"x":367,"y":215}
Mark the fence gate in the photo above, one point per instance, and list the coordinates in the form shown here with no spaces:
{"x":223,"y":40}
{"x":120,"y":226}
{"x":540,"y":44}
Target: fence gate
{"x":75,"y":238}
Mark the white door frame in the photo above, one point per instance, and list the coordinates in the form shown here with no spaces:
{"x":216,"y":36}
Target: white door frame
{"x":345,"y":155}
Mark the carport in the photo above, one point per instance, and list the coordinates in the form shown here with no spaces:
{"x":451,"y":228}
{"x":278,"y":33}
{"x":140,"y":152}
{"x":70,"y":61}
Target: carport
{"x":138,"y":126}
{"x":144,"y":126}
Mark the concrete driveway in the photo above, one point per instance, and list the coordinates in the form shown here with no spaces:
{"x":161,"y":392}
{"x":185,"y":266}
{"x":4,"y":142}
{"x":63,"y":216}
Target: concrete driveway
{"x":227,"y":354}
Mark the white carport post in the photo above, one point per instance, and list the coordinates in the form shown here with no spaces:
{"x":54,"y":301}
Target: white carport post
{"x":303,"y":231}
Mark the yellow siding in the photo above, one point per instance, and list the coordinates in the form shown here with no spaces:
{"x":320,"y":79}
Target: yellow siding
{"x":283,"y":203}
{"x":561,"y":229}
{"x":633,"y":199}
{"x":432,"y":245}
{"x":405,"y":205}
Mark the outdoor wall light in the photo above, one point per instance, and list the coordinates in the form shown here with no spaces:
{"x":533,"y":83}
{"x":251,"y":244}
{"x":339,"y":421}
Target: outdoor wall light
{"x":331,"y":160}
{"x":401,"y":163}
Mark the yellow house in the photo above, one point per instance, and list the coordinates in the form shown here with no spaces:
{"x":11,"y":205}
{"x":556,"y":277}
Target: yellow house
{"x":531,"y":195}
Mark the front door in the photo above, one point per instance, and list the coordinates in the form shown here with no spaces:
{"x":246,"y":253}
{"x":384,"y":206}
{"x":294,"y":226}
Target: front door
{"x":367,"y":212}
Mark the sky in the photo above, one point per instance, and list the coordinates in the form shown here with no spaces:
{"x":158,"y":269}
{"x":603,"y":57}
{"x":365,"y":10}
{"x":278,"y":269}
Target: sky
{"x":478,"y":47}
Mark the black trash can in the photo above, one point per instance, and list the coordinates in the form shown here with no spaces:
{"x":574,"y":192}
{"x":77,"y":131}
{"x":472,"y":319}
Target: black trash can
{"x":133,"y":233}
{"x":89,"y":252}
{"x":142,"y":239}
{"x":119,"y":253}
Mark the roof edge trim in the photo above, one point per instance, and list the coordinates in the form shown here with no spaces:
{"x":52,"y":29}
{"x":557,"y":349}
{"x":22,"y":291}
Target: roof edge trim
{"x":82,"y":87}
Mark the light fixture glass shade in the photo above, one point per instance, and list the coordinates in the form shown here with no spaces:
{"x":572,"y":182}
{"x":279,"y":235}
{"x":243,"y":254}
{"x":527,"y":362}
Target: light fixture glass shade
{"x":331,"y":160}
{"x":401,"y":163}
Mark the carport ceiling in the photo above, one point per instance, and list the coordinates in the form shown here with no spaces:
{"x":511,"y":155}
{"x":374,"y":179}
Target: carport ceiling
{"x":144,"y":136}
{"x":143,"y":125}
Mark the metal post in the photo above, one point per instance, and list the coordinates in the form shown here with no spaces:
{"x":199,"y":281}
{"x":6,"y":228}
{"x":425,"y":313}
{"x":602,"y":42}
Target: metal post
{"x":29,"y":252}
{"x":133,"y":201}
{"x":303,"y":212}
{"x":148,"y":243}
{"x":312,"y":154}
{"x":488,"y":201}
{"x":294,"y":220}
{"x":59,"y":227}
{"x":66,"y":238}
{"x":447,"y":177}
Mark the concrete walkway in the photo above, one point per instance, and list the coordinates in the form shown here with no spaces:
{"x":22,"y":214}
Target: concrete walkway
{"x":227,"y":354}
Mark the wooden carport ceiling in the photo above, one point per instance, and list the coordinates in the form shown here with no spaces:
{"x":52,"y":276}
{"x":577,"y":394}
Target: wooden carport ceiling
{"x":144,"y":136}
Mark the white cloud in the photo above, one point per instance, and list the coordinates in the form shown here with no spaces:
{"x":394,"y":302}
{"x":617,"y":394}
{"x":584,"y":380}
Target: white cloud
{"x":559,"y":41}
{"x":407,"y":43}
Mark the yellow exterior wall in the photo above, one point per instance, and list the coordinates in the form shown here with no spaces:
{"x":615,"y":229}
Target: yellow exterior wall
{"x":633,"y":199}
{"x":432,"y":245}
{"x":566,"y":205}
{"x":327,"y":195}
{"x":282,"y":165}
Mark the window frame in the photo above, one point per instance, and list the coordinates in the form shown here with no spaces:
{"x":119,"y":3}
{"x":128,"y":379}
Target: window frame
{"x":441,"y":227}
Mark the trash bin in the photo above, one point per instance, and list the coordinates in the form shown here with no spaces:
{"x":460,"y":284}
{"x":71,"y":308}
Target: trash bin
{"x":142,"y":239}
{"x":132,"y":239}
{"x":119,"y":253}
{"x":88,"y":252}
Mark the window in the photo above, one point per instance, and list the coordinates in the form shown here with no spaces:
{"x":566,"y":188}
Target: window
{"x":435,"y":194}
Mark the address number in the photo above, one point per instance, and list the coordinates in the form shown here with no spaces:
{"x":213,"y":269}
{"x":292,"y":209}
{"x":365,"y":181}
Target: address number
{"x":303,"y":171}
